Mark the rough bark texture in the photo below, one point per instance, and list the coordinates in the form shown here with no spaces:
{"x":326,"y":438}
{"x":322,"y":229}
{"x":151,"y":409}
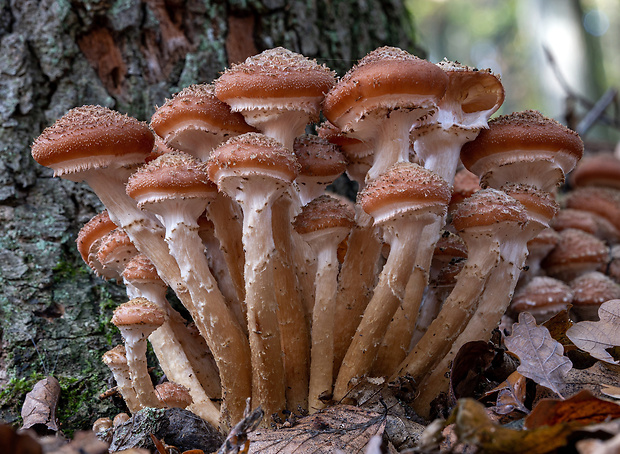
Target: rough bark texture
{"x":128,"y":55}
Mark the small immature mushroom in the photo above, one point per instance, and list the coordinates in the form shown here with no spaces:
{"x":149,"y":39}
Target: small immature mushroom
{"x":523,"y":147}
{"x":590,"y":291}
{"x":136,"y":320}
{"x":102,"y":424}
{"x":115,"y":250}
{"x":119,"y":419}
{"x":324,"y":223}
{"x":277,"y":91}
{"x":380,"y":98}
{"x":196,"y":122}
{"x":543,"y":297}
{"x":402,"y":201}
{"x":88,"y":240}
{"x":256,"y":170}
{"x":175,"y":186}
{"x":173,"y":395}
{"x":577,"y":252}
{"x":116,"y":360}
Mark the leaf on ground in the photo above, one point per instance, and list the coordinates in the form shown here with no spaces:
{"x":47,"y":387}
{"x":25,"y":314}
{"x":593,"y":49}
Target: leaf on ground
{"x":468,"y":367}
{"x":473,"y":425}
{"x":583,"y":408}
{"x":341,"y":427}
{"x":510,"y":395}
{"x":611,"y":391}
{"x":39,"y":409}
{"x":557,"y":326}
{"x":542,"y":357}
{"x":598,"y":337}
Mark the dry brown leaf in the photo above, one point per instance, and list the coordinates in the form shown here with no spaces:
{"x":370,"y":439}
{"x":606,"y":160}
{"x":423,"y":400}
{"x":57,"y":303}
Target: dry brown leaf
{"x":557,"y":326}
{"x":473,"y":425}
{"x":510,"y":395}
{"x":342,"y":427}
{"x":583,"y":408}
{"x":39,"y":409}
{"x":542,"y":357}
{"x":18,"y":443}
{"x":597,"y":337}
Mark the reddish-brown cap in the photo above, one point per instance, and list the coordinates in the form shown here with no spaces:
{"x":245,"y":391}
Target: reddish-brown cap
{"x":323,"y":213}
{"x":274,"y":73}
{"x":198,"y":107}
{"x":570,"y":218}
{"x":402,"y":188}
{"x":115,"y":250}
{"x":93,"y":230}
{"x":464,"y":185}
{"x":90,"y":137}
{"x":576,"y":252}
{"x":117,"y":357}
{"x":488,"y":207}
{"x":253,"y":152}
{"x":386,"y":77}
{"x":350,"y":146}
{"x":542,"y":295}
{"x":173,"y":175}
{"x":173,"y":395}
{"x":545,"y":240}
{"x":318,"y":157}
{"x":604,"y":202}
{"x":138,"y":311}
{"x":540,"y":205}
{"x":141,"y":269}
{"x":602,"y":169}
{"x":594,"y":288}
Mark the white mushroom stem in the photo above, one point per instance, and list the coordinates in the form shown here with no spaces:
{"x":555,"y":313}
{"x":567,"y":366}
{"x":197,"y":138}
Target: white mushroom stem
{"x":278,"y":123}
{"x":116,"y":360}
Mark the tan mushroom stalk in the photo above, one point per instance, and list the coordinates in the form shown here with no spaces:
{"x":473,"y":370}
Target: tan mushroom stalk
{"x":166,"y":341}
{"x":255,"y":170}
{"x":379,"y":100}
{"x":176,"y":187}
{"x":402,"y":201}
{"x":136,"y":320}
{"x":116,"y":360}
{"x":485,"y":221}
{"x":277,"y":91}
{"x":324,"y":223}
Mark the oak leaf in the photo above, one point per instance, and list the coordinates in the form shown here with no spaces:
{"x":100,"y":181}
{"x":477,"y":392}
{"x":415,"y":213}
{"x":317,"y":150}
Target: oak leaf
{"x":597,"y":338}
{"x":39,"y":408}
{"x":510,"y":395}
{"x":542,"y":358}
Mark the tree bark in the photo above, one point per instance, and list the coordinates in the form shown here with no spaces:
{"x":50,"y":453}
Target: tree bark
{"x":128,"y":55}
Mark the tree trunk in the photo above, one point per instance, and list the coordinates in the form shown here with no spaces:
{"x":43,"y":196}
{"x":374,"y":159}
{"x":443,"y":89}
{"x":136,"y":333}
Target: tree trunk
{"x":128,"y":55}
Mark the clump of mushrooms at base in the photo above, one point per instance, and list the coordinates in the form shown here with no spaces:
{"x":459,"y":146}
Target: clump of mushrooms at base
{"x":296,"y":294}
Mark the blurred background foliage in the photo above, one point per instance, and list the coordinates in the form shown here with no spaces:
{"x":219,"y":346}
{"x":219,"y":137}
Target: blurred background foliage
{"x":556,"y":56}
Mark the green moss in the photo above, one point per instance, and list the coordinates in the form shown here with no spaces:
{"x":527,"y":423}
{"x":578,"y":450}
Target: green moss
{"x":14,"y":392}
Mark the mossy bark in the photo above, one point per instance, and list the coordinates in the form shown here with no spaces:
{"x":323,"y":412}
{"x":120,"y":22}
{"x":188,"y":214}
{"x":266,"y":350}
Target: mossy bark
{"x":128,"y":55}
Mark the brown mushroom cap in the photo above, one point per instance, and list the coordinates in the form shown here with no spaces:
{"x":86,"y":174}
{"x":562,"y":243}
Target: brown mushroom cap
{"x":388,"y":78}
{"x":92,"y":137}
{"x":487,"y":207}
{"x":275,"y":74}
{"x":197,"y":106}
{"x":171,"y":176}
{"x":604,"y":202}
{"x":403,"y":188}
{"x":324,"y":212}
{"x":576,"y":252}
{"x":540,"y":205}
{"x":173,"y":395}
{"x":141,"y":269}
{"x":250,"y":152}
{"x":115,"y":250}
{"x":523,"y":136}
{"x":594,"y":288}
{"x":98,"y":226}
{"x":138,"y":311}
{"x":602,"y":170}
{"x":542,"y":296}
{"x":115,"y":357}
{"x":318,"y":157}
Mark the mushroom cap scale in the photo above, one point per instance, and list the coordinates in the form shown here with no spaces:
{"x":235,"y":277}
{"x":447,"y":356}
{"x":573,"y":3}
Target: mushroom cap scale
{"x":197,"y":107}
{"x":92,"y":137}
{"x":405,"y":187}
{"x":276,"y":75}
{"x":138,"y":312}
{"x":324,"y":212}
{"x":527,"y":133}
{"x":252,"y":153}
{"x":387,"y":77}
{"x":488,"y":207}
{"x":172,"y":176}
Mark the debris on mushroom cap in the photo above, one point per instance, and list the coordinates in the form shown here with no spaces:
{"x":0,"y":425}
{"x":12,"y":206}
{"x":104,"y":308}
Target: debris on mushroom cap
{"x":173,"y":395}
{"x":171,"y":176}
{"x":387,"y":77}
{"x":92,"y":137}
{"x":274,"y":73}
{"x":543,"y":296}
{"x":488,"y":207}
{"x":404,"y":187}
{"x":604,"y":202}
{"x":576,"y":252}
{"x":318,"y":157}
{"x":602,"y":169}
{"x":322,"y":213}
{"x":138,"y":311}
{"x":253,"y":151}
{"x":102,"y":424}
{"x":197,"y":106}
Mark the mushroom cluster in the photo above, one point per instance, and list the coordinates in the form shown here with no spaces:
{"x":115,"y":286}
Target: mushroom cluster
{"x":296,"y":294}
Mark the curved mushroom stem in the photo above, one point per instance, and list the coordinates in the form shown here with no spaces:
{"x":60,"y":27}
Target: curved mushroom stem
{"x":388,"y":295}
